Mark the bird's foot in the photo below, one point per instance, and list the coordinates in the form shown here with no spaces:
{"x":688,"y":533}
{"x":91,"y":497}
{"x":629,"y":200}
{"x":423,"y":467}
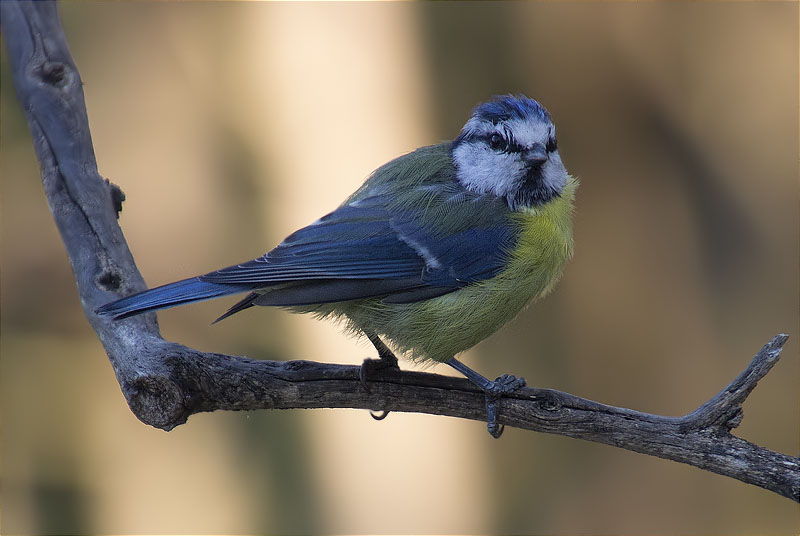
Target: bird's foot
{"x":387,"y":362}
{"x":494,"y":391}
{"x":376,"y":367}
{"x":372,"y":368}
{"x":503,"y":385}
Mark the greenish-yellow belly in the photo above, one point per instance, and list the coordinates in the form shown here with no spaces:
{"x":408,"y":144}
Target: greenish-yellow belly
{"x":441,"y":327}
{"x":438,"y":328}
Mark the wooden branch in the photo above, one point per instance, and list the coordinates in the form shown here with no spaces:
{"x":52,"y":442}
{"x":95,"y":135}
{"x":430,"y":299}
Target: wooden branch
{"x":165,"y":382}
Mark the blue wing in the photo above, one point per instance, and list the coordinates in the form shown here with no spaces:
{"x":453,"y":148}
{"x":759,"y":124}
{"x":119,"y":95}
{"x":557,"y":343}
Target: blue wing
{"x":367,"y":248}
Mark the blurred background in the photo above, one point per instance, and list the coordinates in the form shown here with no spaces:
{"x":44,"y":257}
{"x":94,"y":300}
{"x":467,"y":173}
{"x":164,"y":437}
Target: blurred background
{"x":230,"y":125}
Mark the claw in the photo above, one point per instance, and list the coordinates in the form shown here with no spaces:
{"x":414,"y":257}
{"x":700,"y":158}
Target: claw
{"x":386,"y":361}
{"x":505,"y":384}
{"x":492,"y":426}
{"x":494,"y":391}
{"x":495,"y":430}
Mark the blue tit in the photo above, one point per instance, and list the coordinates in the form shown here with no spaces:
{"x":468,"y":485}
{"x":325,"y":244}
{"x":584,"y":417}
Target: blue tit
{"x":433,"y":253}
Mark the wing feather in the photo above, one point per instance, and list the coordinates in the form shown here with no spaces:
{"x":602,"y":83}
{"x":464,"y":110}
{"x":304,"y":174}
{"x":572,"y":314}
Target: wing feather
{"x":365,"y":249}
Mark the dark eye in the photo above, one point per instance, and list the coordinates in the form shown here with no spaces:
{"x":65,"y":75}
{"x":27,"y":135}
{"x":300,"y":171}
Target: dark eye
{"x":552,"y":145}
{"x":498,"y":142}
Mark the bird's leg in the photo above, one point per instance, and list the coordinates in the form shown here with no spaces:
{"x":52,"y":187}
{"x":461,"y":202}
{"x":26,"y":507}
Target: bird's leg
{"x":493,"y":390}
{"x":386,"y":356}
{"x":386,"y":361}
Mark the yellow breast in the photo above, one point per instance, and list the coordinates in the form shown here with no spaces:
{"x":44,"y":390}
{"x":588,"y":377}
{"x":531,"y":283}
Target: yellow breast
{"x":438,"y":328}
{"x":455,"y":322}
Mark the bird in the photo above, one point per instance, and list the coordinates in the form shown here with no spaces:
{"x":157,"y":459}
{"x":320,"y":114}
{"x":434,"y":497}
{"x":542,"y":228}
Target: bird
{"x":434,"y":252}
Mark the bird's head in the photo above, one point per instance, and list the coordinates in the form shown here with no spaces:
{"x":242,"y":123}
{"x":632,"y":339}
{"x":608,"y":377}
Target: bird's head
{"x":508,"y":148}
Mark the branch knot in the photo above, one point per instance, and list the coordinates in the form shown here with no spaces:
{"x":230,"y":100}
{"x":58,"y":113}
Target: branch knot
{"x":53,"y":73}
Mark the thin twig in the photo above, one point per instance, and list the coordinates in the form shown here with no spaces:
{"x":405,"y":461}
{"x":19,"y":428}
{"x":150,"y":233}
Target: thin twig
{"x":164,"y":383}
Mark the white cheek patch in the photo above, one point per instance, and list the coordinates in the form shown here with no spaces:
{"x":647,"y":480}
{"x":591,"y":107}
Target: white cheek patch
{"x":505,"y":174}
{"x":485,"y":171}
{"x":554,"y":174}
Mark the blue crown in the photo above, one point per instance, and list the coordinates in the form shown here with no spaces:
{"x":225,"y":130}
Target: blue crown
{"x":505,"y":107}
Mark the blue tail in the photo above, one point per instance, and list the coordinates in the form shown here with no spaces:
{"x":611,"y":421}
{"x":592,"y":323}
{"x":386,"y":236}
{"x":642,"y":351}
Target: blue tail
{"x":179,"y":293}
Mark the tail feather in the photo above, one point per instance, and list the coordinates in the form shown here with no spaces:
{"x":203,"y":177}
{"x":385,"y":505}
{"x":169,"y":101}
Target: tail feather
{"x":179,"y":293}
{"x":246,"y":303}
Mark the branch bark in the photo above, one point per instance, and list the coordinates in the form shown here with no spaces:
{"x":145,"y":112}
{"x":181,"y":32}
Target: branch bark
{"x":164,"y":382}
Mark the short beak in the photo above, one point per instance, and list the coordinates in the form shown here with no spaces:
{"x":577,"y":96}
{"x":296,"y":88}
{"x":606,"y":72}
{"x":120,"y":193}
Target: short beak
{"x":536,"y":155}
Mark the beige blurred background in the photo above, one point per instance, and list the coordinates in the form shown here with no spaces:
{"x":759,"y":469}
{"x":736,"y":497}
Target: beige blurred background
{"x":229,"y":125}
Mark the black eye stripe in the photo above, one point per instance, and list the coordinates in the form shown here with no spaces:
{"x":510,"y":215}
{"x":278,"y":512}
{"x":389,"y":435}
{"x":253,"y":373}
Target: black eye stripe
{"x":510,"y":145}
